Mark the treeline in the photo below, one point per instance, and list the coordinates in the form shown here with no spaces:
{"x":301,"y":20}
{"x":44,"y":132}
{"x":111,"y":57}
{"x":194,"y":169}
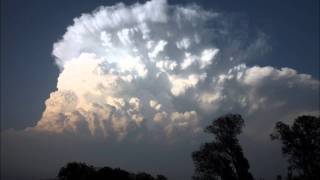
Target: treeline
{"x":223,"y":158}
{"x":82,"y":171}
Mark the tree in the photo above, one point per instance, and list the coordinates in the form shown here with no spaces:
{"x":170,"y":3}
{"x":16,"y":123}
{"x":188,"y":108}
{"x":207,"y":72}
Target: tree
{"x":81,"y":171}
{"x":301,"y":146}
{"x":223,"y":157}
{"x":161,"y":177}
{"x":104,"y":173}
{"x":144,"y":176}
{"x":76,"y":171}
{"x":120,"y":174}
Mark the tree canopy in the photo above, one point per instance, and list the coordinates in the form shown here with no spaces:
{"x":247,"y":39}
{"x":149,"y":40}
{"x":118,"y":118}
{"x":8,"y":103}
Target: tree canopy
{"x":223,"y":157}
{"x":82,"y":171}
{"x":301,"y":145}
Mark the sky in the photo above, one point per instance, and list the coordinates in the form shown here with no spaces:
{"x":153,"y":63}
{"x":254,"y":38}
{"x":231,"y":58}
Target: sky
{"x":88,"y":84}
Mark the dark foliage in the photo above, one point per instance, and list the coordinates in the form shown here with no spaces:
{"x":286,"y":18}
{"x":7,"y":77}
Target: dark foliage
{"x":301,"y":145}
{"x":76,"y":171}
{"x":81,"y":171}
{"x":144,"y":176}
{"x":223,"y":157}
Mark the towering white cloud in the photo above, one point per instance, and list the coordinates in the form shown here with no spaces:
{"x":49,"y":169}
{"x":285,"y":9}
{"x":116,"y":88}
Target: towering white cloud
{"x":159,"y":68}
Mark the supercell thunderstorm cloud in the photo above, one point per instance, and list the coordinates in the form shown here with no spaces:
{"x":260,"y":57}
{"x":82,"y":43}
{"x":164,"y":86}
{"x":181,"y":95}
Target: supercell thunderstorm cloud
{"x":160,"y":68}
{"x":160,"y":73}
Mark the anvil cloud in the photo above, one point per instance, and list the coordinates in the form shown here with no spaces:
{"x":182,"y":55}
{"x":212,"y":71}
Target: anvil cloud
{"x":153,"y":67}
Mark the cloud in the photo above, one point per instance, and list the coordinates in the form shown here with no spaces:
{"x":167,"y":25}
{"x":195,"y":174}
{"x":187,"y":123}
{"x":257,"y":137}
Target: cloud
{"x":264,"y":95}
{"x":160,"y":68}
{"x":121,"y":64}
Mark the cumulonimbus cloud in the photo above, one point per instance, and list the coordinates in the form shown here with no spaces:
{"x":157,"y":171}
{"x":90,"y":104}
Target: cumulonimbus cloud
{"x":159,"y":68}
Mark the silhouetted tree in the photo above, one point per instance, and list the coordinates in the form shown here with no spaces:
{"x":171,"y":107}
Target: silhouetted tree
{"x":279,"y":177}
{"x":161,"y":177}
{"x":104,"y":173}
{"x":301,"y":145}
{"x":120,"y":174}
{"x":223,"y":157}
{"x":144,"y":176}
{"x":76,"y":171}
{"x":81,"y":171}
